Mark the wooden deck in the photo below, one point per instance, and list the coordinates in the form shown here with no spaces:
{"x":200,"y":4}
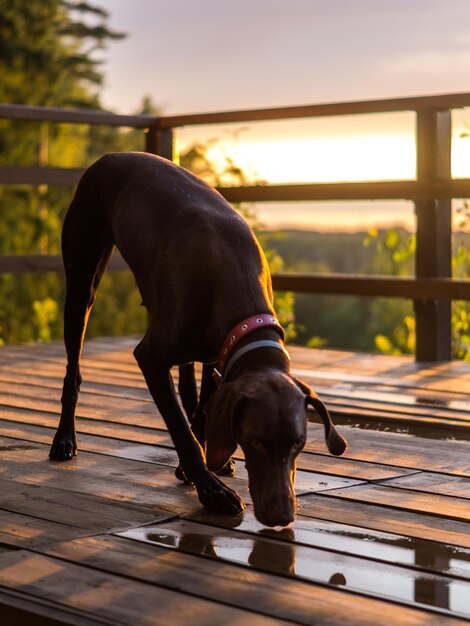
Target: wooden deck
{"x":381,"y":536}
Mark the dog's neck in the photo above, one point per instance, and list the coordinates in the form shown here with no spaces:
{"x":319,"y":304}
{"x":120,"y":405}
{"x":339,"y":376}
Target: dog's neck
{"x":239,"y":341}
{"x":263,"y":357}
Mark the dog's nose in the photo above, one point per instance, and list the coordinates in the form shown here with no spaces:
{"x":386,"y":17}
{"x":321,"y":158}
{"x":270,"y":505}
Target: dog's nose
{"x":279,"y":518}
{"x":283,"y":521}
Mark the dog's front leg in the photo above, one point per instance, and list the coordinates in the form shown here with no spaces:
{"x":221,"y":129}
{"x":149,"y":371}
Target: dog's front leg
{"x":212,"y":492}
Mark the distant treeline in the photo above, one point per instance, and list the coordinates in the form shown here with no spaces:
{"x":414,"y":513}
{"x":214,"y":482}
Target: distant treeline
{"x":349,"y":322}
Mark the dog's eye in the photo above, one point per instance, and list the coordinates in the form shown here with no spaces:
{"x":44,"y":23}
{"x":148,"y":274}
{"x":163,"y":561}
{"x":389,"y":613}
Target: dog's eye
{"x":257,"y":443}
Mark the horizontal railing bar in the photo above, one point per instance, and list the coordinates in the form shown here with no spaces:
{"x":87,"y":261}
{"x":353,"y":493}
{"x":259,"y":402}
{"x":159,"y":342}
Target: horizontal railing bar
{"x":375,"y":190}
{"x":374,"y":286}
{"x":443,"y":101}
{"x":332,"y":284}
{"x":74,"y":116}
{"x":44,"y":263}
{"x":35,"y":175}
{"x":89,"y":116}
{"x":380,"y":190}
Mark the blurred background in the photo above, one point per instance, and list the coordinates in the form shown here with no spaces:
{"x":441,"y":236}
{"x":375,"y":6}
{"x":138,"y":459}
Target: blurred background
{"x":159,"y":57}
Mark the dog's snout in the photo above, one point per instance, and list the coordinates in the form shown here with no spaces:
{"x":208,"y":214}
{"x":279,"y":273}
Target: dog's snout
{"x":283,"y":520}
{"x":278,"y":510}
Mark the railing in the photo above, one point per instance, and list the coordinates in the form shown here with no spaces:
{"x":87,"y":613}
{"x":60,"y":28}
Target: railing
{"x":432,"y":289}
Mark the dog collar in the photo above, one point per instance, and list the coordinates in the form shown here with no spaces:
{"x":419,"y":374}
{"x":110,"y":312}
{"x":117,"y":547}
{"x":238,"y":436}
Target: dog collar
{"x":242,"y":329}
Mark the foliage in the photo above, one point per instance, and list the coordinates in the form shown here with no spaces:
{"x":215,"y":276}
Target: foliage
{"x":395,"y":250}
{"x":461,"y":269}
{"x":47,"y":57}
{"x":383,"y":324}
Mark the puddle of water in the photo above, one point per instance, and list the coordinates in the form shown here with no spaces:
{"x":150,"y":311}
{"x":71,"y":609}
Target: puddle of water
{"x":423,"y":430}
{"x":353,"y":540}
{"x":313,"y":564}
{"x":148,"y":454}
{"x":392,"y":397}
{"x":307,"y":482}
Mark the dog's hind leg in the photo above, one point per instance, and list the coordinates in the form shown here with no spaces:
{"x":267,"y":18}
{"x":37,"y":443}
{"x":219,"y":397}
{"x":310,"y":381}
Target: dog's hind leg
{"x":86,"y":248}
{"x":188,"y":389}
{"x":198,"y":419}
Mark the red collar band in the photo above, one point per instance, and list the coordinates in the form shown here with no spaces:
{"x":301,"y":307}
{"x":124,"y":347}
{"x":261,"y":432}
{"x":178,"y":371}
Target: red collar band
{"x":245,"y":327}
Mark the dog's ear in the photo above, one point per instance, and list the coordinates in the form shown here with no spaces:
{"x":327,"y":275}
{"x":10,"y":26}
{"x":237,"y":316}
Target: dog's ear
{"x":335,"y":442}
{"x":221,"y":441}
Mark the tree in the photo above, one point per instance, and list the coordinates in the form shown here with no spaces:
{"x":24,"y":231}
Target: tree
{"x":47,"y":57}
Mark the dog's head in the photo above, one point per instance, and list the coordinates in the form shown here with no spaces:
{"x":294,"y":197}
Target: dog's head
{"x":267,"y":415}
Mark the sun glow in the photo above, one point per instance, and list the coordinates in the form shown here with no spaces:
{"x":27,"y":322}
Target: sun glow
{"x":387,"y":157}
{"x":375,"y":147}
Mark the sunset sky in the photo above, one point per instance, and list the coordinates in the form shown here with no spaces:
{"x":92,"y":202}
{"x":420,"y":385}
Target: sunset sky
{"x":203,"y":55}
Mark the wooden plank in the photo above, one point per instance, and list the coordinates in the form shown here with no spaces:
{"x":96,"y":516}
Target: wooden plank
{"x":360,"y":575}
{"x":412,"y":381}
{"x":422,"y":403}
{"x":396,"y":412}
{"x":73,"y":508}
{"x":93,"y":407}
{"x":19,"y":432}
{"x":399,"y":371}
{"x":167,"y":456}
{"x":34,"y":379}
{"x":93,"y":426}
{"x":25,"y":531}
{"x":287,"y":599}
{"x":448,"y":507}
{"x":326,"y":365}
{"x":146,"y":489}
{"x":126,"y":480}
{"x":392,"y":520}
{"x":450,"y":457}
{"x":56,"y":369}
{"x":108,"y":596}
{"x":434,"y":483}
{"x":23,"y":610}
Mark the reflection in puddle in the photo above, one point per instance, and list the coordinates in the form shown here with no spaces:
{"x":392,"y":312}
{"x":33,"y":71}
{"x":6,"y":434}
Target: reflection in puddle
{"x":274,"y":551}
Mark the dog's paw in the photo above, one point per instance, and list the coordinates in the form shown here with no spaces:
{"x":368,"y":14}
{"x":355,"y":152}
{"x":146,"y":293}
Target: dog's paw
{"x":180,"y":475}
{"x":228,"y":469}
{"x":64,"y":447}
{"x":216,"y":497}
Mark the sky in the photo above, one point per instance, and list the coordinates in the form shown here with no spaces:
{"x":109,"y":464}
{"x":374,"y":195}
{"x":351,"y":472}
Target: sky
{"x":205,"y":55}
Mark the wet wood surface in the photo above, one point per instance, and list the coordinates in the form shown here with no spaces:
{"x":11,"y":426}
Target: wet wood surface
{"x":113,"y":538}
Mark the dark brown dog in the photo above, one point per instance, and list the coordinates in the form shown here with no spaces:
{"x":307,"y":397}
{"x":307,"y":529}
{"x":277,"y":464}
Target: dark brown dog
{"x":200,"y":272}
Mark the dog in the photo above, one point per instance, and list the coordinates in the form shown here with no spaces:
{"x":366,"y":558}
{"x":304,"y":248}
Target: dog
{"x":205,"y":283}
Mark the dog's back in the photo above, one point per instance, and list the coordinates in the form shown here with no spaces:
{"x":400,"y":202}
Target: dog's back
{"x":179,"y":236}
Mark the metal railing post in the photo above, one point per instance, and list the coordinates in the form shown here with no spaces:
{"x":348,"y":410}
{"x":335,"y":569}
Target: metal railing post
{"x":433,"y":234}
